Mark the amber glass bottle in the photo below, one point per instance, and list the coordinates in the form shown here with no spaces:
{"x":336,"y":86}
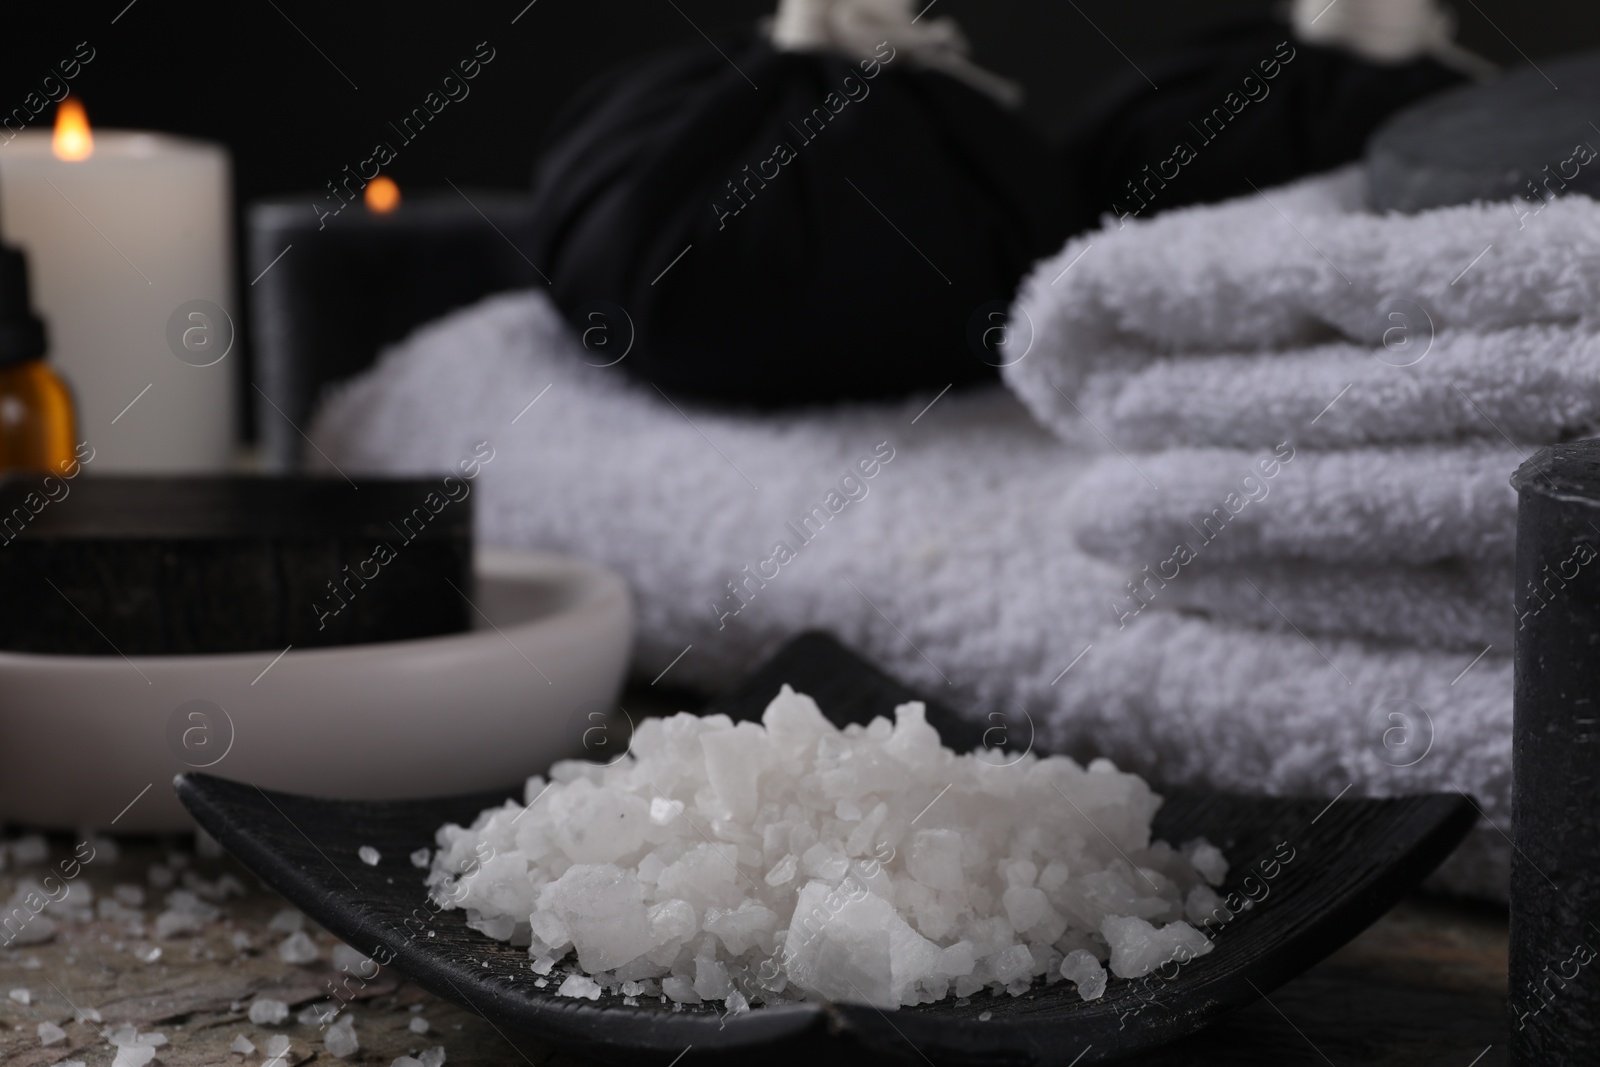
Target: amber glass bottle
{"x":37,"y":429}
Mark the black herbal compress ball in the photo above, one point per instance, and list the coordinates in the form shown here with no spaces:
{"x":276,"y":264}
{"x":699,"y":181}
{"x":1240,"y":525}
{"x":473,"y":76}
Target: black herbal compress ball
{"x":784,"y":227}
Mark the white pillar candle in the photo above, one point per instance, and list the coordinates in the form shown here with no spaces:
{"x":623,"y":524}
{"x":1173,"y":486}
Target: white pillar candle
{"x":125,"y":248}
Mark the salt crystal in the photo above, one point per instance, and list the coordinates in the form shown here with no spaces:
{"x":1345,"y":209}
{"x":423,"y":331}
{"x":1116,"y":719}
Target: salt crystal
{"x":30,"y":848}
{"x":369,"y":855}
{"x":297,"y":948}
{"x":433,"y":1057}
{"x":133,"y":1056}
{"x":286,"y":921}
{"x":985,"y":1016}
{"x":420,"y":858}
{"x":242,"y":1045}
{"x":353,"y":961}
{"x":1207,"y":859}
{"x":32,"y":964}
{"x":264,"y":1011}
{"x":418,"y":1025}
{"x":341,"y":1040}
{"x":147,"y":953}
{"x":1137,"y":947}
{"x":1081,"y":967}
{"x":21,"y":996}
{"x":579,"y":986}
{"x":89,"y":1015}
{"x":277,"y":1051}
{"x":51,"y":1034}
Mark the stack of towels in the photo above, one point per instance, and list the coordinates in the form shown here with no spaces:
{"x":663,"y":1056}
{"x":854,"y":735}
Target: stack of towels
{"x":1308,"y":415}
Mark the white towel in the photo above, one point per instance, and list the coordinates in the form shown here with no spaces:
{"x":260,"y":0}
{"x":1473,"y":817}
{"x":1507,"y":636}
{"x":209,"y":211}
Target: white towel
{"x":1443,"y":606}
{"x":957,"y":570}
{"x":1243,"y":323}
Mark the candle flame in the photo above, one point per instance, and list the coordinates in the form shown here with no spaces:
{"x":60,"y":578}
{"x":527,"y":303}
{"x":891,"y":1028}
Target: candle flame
{"x":382,"y":195}
{"x":72,"y":140}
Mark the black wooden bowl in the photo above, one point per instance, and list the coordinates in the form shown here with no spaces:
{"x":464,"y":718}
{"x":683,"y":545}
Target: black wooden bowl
{"x":1318,"y":871}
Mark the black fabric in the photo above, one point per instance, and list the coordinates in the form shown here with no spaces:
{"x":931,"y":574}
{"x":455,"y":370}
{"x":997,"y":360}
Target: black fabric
{"x":878,"y":261}
{"x":1315,"y":113}
{"x":852,"y":271}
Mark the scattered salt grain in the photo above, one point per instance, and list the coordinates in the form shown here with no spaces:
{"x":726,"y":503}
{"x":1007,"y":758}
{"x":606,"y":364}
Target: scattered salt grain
{"x":1081,"y":967}
{"x":286,"y":921}
{"x":418,"y":1025}
{"x":297,"y":948}
{"x":353,"y":961}
{"x":242,"y":1045}
{"x":32,"y":964}
{"x":713,"y":853}
{"x":51,"y":1034}
{"x":318,"y":1015}
{"x":21,"y":996}
{"x":264,"y":1011}
{"x":369,"y":855}
{"x":421,"y":857}
{"x":432,"y":1057}
{"x":985,"y":1016}
{"x":89,"y":1015}
{"x":578,"y":986}
{"x":28,"y":849}
{"x":340,"y":1040}
{"x":1207,"y":859}
{"x":147,"y":953}
{"x":133,"y":1056}
{"x":277,"y":1051}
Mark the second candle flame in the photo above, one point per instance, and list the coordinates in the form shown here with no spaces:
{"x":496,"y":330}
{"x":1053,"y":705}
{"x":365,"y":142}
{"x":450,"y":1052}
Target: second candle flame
{"x":72,"y":141}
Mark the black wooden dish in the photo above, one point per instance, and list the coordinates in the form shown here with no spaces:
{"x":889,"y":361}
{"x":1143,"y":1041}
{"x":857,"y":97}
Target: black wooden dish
{"x":1318,"y":872}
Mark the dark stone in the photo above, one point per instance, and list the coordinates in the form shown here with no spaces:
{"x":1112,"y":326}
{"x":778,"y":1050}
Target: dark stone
{"x":167,"y":566}
{"x":1555,"y":868}
{"x":1492,"y":142}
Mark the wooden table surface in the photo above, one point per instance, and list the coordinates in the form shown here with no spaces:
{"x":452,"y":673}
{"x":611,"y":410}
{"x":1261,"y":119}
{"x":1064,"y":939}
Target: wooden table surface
{"x":1425,"y":987}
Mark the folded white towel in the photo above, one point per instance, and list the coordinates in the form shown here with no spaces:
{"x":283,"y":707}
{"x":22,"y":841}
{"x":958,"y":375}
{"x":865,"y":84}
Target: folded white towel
{"x":1240,"y":323}
{"x":1443,"y":606}
{"x":1422,"y":505}
{"x":957,"y":570}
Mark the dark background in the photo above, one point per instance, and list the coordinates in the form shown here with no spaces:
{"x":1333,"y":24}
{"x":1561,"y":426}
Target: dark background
{"x":238,"y":72}
{"x":297,"y":90}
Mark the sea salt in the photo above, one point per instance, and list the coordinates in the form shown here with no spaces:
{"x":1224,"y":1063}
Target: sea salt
{"x":749,"y":864}
{"x":369,"y":855}
{"x":30,"y":848}
{"x":265,"y":1011}
{"x":297,"y":948}
{"x":21,"y":996}
{"x":341,"y":1040}
{"x":242,"y":1045}
{"x":432,"y":1057}
{"x":418,"y":1025}
{"x":51,"y":1034}
{"x":286,"y":921}
{"x":421,"y":858}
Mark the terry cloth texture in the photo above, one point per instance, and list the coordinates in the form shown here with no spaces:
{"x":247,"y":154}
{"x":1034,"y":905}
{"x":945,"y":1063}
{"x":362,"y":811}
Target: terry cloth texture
{"x":954,"y":566}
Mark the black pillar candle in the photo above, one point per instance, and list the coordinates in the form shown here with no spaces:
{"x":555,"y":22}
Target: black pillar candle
{"x":1555,"y":867}
{"x":329,"y":292}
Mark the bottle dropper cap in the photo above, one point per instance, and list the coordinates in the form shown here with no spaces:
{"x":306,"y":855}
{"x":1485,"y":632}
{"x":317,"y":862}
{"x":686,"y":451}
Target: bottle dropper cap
{"x":21,"y":331}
